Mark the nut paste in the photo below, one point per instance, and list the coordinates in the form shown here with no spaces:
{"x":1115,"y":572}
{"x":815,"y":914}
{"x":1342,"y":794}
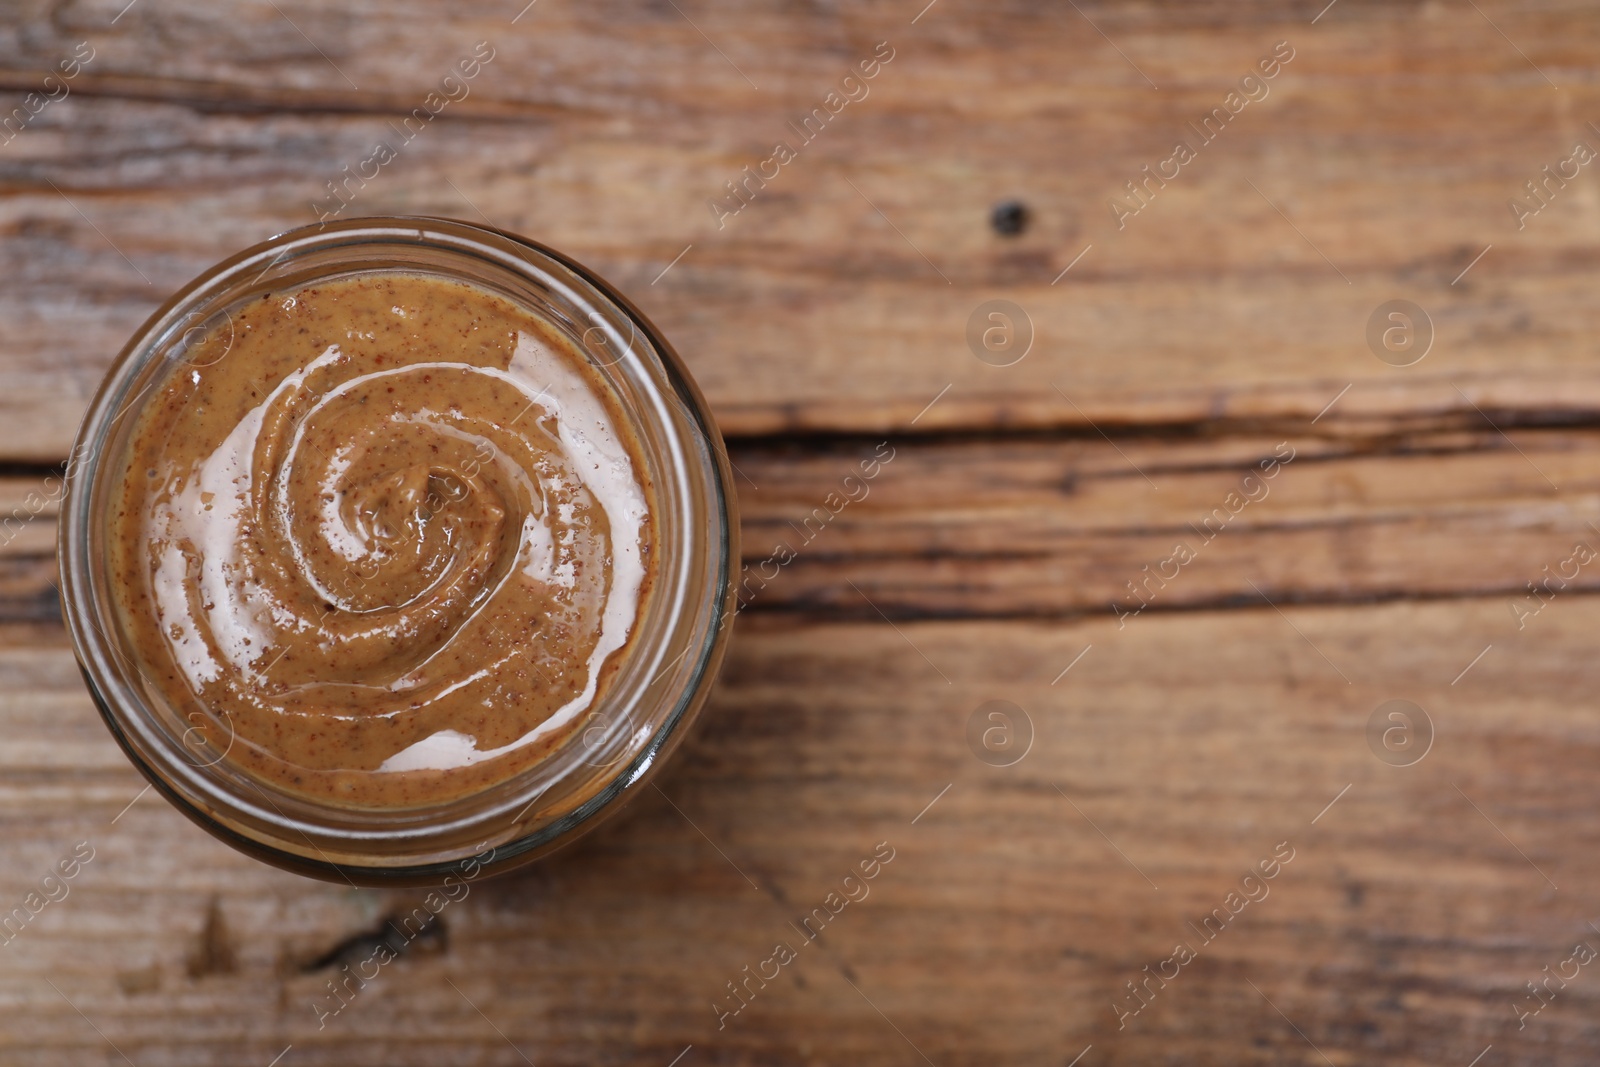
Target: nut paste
{"x":385,"y":539}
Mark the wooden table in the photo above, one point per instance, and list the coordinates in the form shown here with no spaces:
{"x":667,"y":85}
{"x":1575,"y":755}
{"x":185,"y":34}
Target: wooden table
{"x":1435,"y":870}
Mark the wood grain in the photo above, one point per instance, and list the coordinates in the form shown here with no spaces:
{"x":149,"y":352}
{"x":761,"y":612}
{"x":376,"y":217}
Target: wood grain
{"x":1382,"y":162}
{"x":1050,"y":525}
{"x":1005,"y":926}
{"x":988,"y":561}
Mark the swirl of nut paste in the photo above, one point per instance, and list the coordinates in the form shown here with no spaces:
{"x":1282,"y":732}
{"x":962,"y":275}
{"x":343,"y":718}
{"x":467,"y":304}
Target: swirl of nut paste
{"x":414,"y":567}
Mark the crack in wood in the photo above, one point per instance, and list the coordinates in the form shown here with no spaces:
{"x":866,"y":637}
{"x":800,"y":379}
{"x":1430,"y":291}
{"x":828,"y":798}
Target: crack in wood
{"x":430,"y":936}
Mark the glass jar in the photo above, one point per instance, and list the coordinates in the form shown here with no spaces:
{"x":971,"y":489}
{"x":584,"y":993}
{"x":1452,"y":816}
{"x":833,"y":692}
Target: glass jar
{"x":664,"y":674}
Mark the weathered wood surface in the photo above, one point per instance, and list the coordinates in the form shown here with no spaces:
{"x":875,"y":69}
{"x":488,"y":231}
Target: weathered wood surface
{"x":1389,"y":560}
{"x":1392,"y":141}
{"x":1044,"y":525}
{"x":1003,"y":930}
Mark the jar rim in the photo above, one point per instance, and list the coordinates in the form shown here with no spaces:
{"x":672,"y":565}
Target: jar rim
{"x":416,"y":845}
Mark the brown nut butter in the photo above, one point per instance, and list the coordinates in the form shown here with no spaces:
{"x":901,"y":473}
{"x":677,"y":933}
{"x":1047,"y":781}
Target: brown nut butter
{"x":390,"y":533}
